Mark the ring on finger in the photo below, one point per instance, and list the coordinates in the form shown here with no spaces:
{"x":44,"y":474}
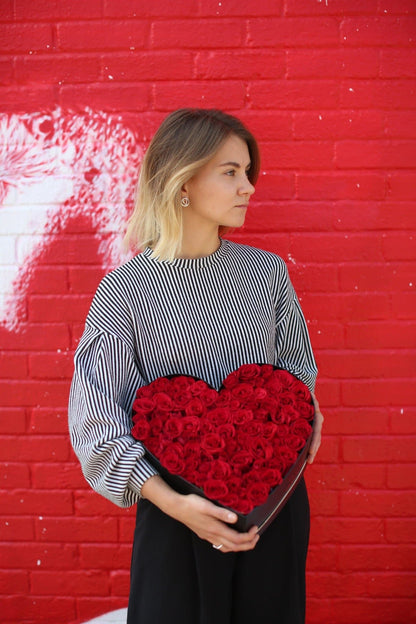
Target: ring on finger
{"x":218,"y":547}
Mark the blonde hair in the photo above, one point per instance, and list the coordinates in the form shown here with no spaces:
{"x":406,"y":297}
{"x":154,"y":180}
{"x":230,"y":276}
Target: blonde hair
{"x":186,"y":140}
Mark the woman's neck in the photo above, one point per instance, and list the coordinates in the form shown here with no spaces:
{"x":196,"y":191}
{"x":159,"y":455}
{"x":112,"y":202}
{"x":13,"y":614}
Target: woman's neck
{"x":198,"y":244}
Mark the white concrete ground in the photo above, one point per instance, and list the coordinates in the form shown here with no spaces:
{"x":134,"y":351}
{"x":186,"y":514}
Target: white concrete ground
{"x":114,"y":617}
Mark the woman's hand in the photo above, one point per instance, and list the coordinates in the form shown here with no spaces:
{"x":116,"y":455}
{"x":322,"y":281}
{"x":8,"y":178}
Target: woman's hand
{"x":317,"y":429}
{"x":201,"y":516}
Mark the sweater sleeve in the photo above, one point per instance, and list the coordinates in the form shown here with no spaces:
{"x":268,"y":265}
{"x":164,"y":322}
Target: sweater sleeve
{"x":293,"y":346}
{"x":105,"y":380}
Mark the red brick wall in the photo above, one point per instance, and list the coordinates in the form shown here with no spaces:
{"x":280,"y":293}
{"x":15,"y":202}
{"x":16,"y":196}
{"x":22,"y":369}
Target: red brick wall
{"x":328,"y":86}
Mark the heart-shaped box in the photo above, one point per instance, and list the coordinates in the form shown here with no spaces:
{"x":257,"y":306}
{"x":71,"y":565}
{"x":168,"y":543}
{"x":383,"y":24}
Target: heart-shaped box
{"x":249,"y":386}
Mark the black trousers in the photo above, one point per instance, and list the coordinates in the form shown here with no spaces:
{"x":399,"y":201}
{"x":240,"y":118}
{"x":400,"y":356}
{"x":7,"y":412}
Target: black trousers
{"x":177,"y":578}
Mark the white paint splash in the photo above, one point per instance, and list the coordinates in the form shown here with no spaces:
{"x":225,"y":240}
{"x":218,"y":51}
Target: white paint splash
{"x":56,"y":167}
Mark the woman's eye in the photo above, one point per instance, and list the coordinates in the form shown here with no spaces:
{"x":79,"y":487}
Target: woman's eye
{"x":231,"y":172}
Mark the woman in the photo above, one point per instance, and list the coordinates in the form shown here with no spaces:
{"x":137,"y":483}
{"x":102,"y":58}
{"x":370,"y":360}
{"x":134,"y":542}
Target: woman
{"x":192,"y":303}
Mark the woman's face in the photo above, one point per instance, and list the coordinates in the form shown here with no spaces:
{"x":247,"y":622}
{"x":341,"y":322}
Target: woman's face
{"x":219,"y":193}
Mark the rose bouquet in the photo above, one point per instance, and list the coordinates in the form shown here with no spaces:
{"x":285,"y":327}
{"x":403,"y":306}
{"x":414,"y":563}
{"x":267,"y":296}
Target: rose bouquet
{"x":243,"y":446}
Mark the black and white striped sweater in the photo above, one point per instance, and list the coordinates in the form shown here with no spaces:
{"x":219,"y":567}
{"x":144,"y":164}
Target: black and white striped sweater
{"x":149,"y":318}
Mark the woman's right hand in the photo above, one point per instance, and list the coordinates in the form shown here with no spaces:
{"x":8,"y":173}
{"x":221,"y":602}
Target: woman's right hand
{"x":200,"y":515}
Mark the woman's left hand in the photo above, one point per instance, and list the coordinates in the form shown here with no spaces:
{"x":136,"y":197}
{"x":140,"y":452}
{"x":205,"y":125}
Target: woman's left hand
{"x":317,"y":429}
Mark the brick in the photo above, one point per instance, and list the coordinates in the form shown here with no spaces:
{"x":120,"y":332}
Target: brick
{"x":401,"y":477}
{"x":343,"y":476}
{"x":357,"y":186}
{"x":14,"y":475}
{"x":14,"y":529}
{"x":404,"y":305}
{"x":329,"y":450}
{"x":7,"y":10}
{"x":31,"y":556}
{"x":59,"y":476}
{"x":375,"y":154}
{"x":382,"y":504}
{"x":51,"y":365}
{"x":391,"y":276}
{"x":41,"y":610}
{"x":20,"y":393}
{"x":400,"y":585}
{"x":377,"y":216}
{"x":44,"y":420}
{"x":362,"y":530}
{"x":381,"y":94}
{"x":335,"y":247}
{"x":365,"y":609}
{"x":6,"y":71}
{"x":326,"y":335}
{"x":337,"y":584}
{"x":84,"y":279}
{"x":65,"y":308}
{"x":341,"y":7}
{"x":358,"y":558}
{"x":324,"y":503}
{"x":322,"y":557}
{"x":102,"y":35}
{"x":403,"y":7}
{"x":356,"y":365}
{"x":402,"y":186}
{"x":327,"y":124}
{"x":236,"y":8}
{"x":378,"y":449}
{"x":305,"y":280}
{"x":399,"y":246}
{"x":104,"y":557}
{"x":12,"y":420}
{"x":359,"y":63}
{"x":357,"y":420}
{"x":45,"y":10}
{"x":207,"y":94}
{"x":398,"y":63}
{"x":380,"y":334}
{"x":381,"y":392}
{"x":21,"y":100}
{"x":27,"y":38}
{"x":47,"y":280}
{"x":291,"y":216}
{"x":293,"y":94}
{"x":76,"y":583}
{"x":148,"y":8}
{"x":346,"y":306}
{"x":400,"y":530}
{"x":14,"y":582}
{"x":293,"y":32}
{"x":36,"y":502}
{"x":106,"y":97}
{"x":400,"y":124}
{"x":47,"y":448}
{"x":97,"y":529}
{"x":127,"y":525}
{"x":199,"y":33}
{"x":13,"y":365}
{"x":403,"y":420}
{"x":378,"y":31}
{"x":299,"y":154}
{"x":328,"y":393}
{"x":275,"y":186}
{"x":268,"y":125}
{"x":253,"y":63}
{"x":119,"y":583}
{"x":148,"y":66}
{"x":41,"y":336}
{"x":276,"y":243}
{"x":57,"y":68}
{"x":88,"y":503}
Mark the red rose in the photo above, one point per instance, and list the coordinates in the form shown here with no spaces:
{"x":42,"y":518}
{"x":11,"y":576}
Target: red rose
{"x":172,"y":459}
{"x":160,"y":385}
{"x":156,"y":425}
{"x":243,"y":459}
{"x":240,"y":416}
{"x":220,"y":416}
{"x":163,"y":402}
{"x":269,"y":430}
{"x":212,"y":443}
{"x":215,"y":488}
{"x":249,"y":372}
{"x":301,"y":428}
{"x":294,"y":442}
{"x":288,"y":413}
{"x":287,"y":455}
{"x":141,"y":430}
{"x":257,"y":492}
{"x":244,"y":506}
{"x":219,"y":470}
{"x":230,"y":500}
{"x":272,"y":477}
{"x":145,"y":405}
{"x":261,"y":449}
{"x":235,"y":484}
{"x":209,"y":397}
{"x":195,"y":407}
{"x":190,"y":426}
{"x":306,"y":410}
{"x":242,"y":392}
{"x":226,"y":431}
{"x":173,"y":428}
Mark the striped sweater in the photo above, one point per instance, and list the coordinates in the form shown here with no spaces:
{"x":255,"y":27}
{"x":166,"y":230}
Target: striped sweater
{"x":149,"y":318}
